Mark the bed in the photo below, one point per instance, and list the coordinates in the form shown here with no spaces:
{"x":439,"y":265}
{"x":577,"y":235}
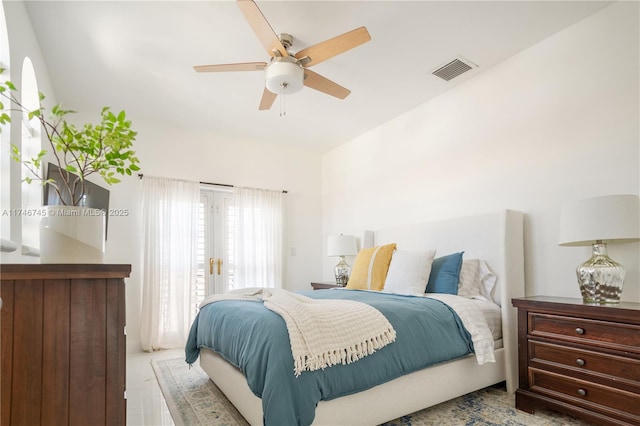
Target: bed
{"x":496,"y":238}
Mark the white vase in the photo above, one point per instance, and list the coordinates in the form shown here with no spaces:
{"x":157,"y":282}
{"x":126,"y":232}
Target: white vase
{"x":70,"y":234}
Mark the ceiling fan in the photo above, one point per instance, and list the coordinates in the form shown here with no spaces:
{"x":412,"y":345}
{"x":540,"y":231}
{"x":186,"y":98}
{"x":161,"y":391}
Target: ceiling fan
{"x":286,"y":72}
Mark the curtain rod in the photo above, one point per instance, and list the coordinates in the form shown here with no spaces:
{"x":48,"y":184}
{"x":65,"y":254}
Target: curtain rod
{"x":141,"y":175}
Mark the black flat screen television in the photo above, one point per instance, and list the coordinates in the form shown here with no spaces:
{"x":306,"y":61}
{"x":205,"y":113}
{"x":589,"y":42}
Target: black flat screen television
{"x":95,"y":197}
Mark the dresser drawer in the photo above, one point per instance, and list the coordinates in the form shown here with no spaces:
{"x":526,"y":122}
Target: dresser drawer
{"x":623,"y":337}
{"x":616,"y":368}
{"x":586,"y":394}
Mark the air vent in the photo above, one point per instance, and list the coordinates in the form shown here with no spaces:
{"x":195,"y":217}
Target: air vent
{"x":454,"y":68}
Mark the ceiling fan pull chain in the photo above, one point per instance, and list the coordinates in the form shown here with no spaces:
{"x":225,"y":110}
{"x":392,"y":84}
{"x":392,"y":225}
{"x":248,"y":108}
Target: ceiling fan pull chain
{"x":283,"y":106}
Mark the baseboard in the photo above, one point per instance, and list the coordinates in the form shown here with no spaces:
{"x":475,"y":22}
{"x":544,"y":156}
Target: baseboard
{"x":133,"y":346}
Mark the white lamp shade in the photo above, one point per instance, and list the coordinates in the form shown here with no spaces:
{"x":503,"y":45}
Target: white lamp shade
{"x":611,"y":218}
{"x":341,"y":245}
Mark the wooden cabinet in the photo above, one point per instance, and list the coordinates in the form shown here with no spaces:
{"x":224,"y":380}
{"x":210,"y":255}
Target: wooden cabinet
{"x":580,"y":359}
{"x":63,"y":344}
{"x":322,"y":286}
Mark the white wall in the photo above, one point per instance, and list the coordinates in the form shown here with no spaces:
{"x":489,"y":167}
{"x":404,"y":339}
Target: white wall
{"x":181,"y":154}
{"x":557,"y":122}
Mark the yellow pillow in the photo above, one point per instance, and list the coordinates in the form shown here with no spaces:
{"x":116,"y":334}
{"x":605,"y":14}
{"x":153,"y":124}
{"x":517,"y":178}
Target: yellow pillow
{"x":370,"y":268}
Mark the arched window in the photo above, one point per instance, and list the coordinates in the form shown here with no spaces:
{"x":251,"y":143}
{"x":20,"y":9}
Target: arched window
{"x":31,"y":146}
{"x":5,"y":138}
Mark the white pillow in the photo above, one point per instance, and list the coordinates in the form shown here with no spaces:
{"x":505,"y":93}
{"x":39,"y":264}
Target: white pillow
{"x":409,"y":272}
{"x":476,"y":280}
{"x":487,"y":282}
{"x":469,"y":285}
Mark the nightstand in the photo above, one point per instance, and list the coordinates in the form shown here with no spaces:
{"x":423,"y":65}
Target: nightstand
{"x":322,"y":286}
{"x":579,"y":359}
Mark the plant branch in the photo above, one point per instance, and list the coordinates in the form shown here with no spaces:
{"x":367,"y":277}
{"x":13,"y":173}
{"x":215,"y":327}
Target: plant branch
{"x":105,"y":149}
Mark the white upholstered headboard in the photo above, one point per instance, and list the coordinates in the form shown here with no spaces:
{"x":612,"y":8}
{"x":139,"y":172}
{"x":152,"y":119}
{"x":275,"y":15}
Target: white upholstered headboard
{"x":496,"y":238}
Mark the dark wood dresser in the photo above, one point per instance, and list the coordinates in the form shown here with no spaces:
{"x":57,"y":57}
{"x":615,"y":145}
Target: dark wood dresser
{"x":63,"y":344}
{"x":579,"y":359}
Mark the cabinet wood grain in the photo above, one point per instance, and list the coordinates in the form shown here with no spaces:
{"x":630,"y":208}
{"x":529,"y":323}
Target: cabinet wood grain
{"x":63,"y":344}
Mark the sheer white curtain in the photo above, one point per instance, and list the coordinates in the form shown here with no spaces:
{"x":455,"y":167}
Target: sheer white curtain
{"x":170,"y":226}
{"x":258,"y":238}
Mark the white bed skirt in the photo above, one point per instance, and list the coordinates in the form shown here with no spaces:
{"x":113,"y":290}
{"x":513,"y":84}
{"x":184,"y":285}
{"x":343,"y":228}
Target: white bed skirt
{"x":379,"y":404}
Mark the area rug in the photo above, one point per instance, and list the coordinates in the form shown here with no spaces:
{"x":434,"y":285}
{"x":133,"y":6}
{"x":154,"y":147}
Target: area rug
{"x":194,"y":400}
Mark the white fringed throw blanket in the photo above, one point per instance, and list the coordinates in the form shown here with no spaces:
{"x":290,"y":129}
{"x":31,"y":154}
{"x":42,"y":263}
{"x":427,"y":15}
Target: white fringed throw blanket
{"x":322,"y":332}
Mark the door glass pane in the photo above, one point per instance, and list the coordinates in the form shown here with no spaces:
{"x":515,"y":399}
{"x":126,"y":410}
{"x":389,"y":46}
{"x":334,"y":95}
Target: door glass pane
{"x":229,"y":229}
{"x":215,"y":241}
{"x":198,"y":290}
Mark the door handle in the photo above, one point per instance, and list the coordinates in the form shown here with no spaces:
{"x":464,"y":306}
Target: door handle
{"x":213,"y":261}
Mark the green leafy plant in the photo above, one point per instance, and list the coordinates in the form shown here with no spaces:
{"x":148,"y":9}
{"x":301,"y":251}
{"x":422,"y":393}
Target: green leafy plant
{"x":104,"y":149}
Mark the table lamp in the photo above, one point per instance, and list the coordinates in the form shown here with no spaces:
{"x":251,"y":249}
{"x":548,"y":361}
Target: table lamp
{"x":342,"y":245}
{"x":596,"y":222}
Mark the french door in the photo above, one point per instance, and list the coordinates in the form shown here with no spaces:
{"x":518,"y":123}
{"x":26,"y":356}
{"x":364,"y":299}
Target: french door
{"x":215,"y":244}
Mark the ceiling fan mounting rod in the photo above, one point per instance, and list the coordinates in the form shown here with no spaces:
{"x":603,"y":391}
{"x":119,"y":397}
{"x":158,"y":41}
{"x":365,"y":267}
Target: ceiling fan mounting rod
{"x":286,"y":40}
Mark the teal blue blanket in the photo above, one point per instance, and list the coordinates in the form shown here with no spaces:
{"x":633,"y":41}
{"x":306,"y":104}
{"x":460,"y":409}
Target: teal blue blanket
{"x":255,"y":340}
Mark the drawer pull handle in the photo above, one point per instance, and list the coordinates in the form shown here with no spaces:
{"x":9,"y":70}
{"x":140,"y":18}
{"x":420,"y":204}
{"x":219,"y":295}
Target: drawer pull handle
{"x":579,"y":330}
{"x":582,"y":392}
{"x":580,"y":361}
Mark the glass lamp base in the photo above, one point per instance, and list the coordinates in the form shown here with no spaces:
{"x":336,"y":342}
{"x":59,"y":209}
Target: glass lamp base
{"x":342,"y":272}
{"x":600,"y":278}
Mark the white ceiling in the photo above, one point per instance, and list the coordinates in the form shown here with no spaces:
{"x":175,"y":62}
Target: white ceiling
{"x":139,"y":56}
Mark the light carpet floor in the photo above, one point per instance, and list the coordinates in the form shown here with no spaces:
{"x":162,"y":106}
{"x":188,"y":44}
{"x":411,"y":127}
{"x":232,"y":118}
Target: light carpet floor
{"x":194,"y":400}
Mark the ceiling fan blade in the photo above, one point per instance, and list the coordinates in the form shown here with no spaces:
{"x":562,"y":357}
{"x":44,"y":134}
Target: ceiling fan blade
{"x":245,"y":66}
{"x":267,"y":100}
{"x":261,"y":27}
{"x":334,"y":46}
{"x":324,"y":85}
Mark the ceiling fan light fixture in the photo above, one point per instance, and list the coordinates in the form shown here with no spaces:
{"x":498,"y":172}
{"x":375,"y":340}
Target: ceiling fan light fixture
{"x":284,"y":76}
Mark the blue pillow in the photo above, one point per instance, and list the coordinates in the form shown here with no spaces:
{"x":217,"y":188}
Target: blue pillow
{"x":445,"y":274}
